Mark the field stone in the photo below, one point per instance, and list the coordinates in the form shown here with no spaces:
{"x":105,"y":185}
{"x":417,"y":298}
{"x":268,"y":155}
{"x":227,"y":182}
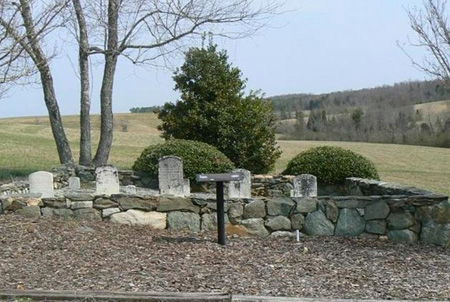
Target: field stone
{"x":285,"y":235}
{"x":183,"y":220}
{"x":58,"y":203}
{"x":332,"y":211}
{"x":235,"y":212}
{"x":377,"y":210}
{"x":109,"y":211}
{"x":297,"y":221}
{"x":104,"y":203}
{"x":76,"y":196}
{"x":155,"y":220}
{"x":81,"y":204}
{"x":423,"y":214}
{"x":255,"y":209}
{"x":349,"y":223}
{"x":30,"y":211}
{"x":54,"y":212}
{"x":280,"y":206}
{"x":136,"y":203}
{"x":255,"y":226}
{"x":88,"y":214}
{"x":278,"y":223}
{"x":376,"y":227}
{"x":441,"y":212}
{"x":168,"y":204}
{"x":433,"y":233}
{"x":317,"y":224}
{"x":209,"y":221}
{"x":400,"y":220}
{"x":305,"y":204}
{"x":407,"y":236}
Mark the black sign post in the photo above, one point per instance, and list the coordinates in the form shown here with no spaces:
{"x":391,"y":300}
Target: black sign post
{"x":219,"y":179}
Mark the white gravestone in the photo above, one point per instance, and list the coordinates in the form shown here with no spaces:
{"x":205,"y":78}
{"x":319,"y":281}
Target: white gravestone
{"x":74,"y":183}
{"x":170,"y":176}
{"x":305,"y":185}
{"x":41,"y":182}
{"x":242,"y":188}
{"x":107,"y":180}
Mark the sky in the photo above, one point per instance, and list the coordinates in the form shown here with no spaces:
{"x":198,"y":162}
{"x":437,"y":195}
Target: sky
{"x":315,"y":46}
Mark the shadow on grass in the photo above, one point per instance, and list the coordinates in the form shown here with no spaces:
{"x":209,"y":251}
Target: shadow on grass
{"x":11,"y":174}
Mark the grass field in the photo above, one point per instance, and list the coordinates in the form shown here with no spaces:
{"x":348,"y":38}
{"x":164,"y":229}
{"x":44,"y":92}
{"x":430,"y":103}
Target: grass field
{"x":27,"y":145}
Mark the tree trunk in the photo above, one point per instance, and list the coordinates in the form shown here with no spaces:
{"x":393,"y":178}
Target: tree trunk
{"x":111,"y":56}
{"x":62,"y":143}
{"x":85,"y":102}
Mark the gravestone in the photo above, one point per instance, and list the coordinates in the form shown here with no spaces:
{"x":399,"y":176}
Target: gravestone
{"x":305,"y":185}
{"x":242,"y":188}
{"x":107,"y":180}
{"x":170,"y":177}
{"x":41,"y":182}
{"x":74,"y":183}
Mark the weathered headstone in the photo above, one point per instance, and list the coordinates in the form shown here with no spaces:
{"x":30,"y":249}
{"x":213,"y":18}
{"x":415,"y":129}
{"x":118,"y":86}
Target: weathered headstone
{"x":305,"y":185}
{"x":41,"y":182}
{"x":243,"y":188}
{"x":170,"y":176}
{"x":107,"y":180}
{"x":74,"y":183}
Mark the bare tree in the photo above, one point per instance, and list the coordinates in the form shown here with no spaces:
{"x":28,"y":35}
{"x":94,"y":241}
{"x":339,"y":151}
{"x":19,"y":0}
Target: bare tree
{"x":432,"y":28}
{"x":22,"y":54}
{"x":141,"y":31}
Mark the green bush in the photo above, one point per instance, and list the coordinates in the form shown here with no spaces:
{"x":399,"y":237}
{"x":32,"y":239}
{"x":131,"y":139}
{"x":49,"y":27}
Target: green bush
{"x":331,"y":165}
{"x":197,"y":158}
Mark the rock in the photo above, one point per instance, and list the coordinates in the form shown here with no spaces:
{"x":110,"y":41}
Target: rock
{"x":255,"y":226}
{"x":332,"y":211}
{"x":104,"y":203}
{"x":168,"y":204}
{"x":109,"y":211}
{"x":305,"y":204}
{"x":81,"y":205}
{"x":297,"y":221}
{"x":280,"y":206}
{"x":352,"y":202}
{"x":437,"y":234}
{"x":278,"y":223}
{"x":441,"y":212}
{"x":377,"y":210}
{"x":361,"y":212}
{"x":30,"y":211}
{"x":137,"y":203}
{"x":407,"y":236}
{"x":317,"y":224}
{"x":349,"y":223}
{"x":58,"y":203}
{"x":183,"y":220}
{"x":400,"y":220}
{"x":236,"y":230}
{"x":76,"y":196}
{"x":423,"y":214}
{"x":235,"y":212}
{"x":154,"y":220}
{"x":88,"y":214}
{"x":201,"y":202}
{"x":376,"y":227}
{"x":57,"y":212}
{"x":30,"y":201}
{"x":283,"y":235}
{"x":209,"y":221}
{"x":16,"y":205}
{"x":212,"y":205}
{"x":255,"y":209}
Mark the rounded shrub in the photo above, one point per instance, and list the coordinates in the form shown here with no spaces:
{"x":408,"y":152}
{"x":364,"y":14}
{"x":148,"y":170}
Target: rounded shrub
{"x":197,"y":158}
{"x":331,"y":165}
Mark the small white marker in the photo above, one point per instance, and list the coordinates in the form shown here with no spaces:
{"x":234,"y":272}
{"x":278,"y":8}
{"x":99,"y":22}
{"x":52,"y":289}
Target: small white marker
{"x":298,"y":235}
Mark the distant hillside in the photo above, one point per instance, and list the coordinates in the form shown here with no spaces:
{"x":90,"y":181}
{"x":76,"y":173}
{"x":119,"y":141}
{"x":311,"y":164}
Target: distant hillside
{"x":397,"y":95}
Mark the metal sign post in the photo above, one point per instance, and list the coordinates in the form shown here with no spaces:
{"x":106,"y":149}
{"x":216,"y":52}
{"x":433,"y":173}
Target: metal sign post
{"x":219,"y":179}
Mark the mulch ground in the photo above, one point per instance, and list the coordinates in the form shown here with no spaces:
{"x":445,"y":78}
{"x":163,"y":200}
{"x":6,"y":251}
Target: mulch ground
{"x":71,"y":254}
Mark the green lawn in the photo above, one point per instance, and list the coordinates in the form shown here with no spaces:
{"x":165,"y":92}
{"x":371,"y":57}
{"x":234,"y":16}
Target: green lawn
{"x":27,"y":145}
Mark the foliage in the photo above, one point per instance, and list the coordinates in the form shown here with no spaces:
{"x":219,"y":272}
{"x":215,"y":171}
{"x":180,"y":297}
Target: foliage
{"x":197,"y":158}
{"x":144,"y":109}
{"x":331,"y":165}
{"x":214,"y":110}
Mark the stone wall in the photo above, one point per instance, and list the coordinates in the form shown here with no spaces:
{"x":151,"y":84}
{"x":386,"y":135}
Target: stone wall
{"x":404,"y":218}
